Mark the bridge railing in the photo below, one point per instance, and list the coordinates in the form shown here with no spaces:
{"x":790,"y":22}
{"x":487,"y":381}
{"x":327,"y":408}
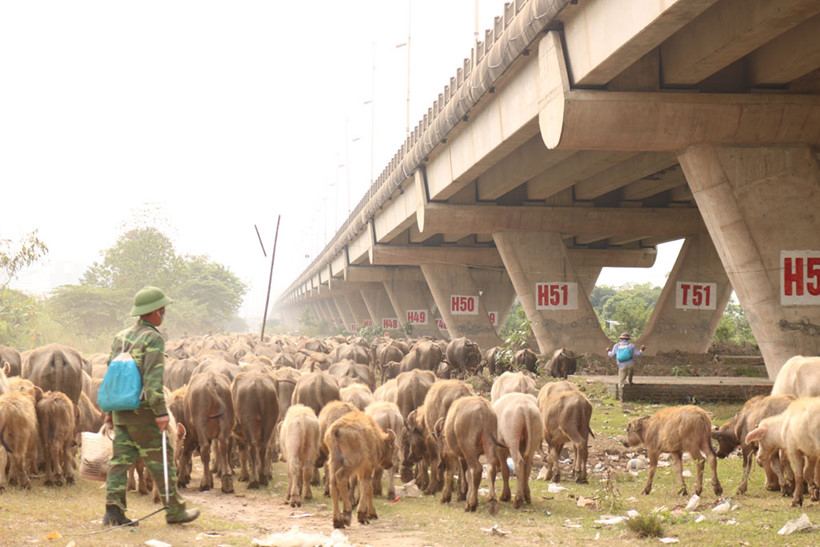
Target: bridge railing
{"x":511,"y":36}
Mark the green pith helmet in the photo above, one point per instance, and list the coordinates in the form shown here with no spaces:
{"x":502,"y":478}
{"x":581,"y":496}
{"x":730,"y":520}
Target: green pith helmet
{"x":149,"y":299}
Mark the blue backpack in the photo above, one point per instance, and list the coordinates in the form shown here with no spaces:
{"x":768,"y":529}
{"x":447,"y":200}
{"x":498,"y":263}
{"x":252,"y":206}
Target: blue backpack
{"x":624,"y":353}
{"x":121,"y":388}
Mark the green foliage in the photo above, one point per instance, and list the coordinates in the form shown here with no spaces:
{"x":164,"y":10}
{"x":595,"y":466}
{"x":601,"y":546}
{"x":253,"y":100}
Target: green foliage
{"x":309,"y":327}
{"x":207,"y":295}
{"x":13,"y":258}
{"x":733,"y":327}
{"x":680,"y":370}
{"x":646,"y":525}
{"x":629,"y":305}
{"x":370,"y":333}
{"x":407,"y":329}
{"x":516,"y":333}
{"x":17,"y":319}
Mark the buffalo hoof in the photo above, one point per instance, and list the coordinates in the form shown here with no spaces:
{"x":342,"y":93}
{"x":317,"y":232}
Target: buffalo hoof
{"x":505,"y":496}
{"x":48,"y":483}
{"x":227,"y":485}
{"x":582,"y":480}
{"x":718,"y":490}
{"x":253,"y":485}
{"x":797,"y":503}
{"x":461,"y":496}
{"x":204,"y":487}
{"x":338,"y":523}
{"x":684,"y":492}
{"x":391,"y":494}
{"x":446,"y":499}
{"x":493,"y":506}
{"x":347,"y":517}
{"x":773,"y":487}
{"x":470,"y":508}
{"x":646,"y":490}
{"x":518,"y":503}
{"x":362,"y":518}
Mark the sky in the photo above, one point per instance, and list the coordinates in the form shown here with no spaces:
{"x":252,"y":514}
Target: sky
{"x":215,"y":117}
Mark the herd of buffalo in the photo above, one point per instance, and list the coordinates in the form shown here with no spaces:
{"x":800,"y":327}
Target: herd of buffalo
{"x":358,"y":408}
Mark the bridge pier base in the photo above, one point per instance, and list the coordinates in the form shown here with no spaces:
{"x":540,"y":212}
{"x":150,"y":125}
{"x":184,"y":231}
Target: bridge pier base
{"x":345,"y":313}
{"x":358,"y":308}
{"x":445,"y":282}
{"x":333,"y":315}
{"x":319,"y":312}
{"x":760,"y":206}
{"x":551,"y":292}
{"x":692,"y":302}
{"x":412,"y":296}
{"x":378,"y":304}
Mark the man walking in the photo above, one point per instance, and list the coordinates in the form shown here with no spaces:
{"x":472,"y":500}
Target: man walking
{"x":625,"y":352}
{"x":139,"y":432}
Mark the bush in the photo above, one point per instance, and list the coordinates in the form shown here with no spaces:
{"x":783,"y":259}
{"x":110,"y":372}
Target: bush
{"x":646,"y":525}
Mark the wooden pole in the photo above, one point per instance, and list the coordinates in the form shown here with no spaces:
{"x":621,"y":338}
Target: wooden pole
{"x":270,"y":278}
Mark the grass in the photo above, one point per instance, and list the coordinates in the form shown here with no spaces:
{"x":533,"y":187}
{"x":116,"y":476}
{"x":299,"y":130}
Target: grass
{"x":28,"y":517}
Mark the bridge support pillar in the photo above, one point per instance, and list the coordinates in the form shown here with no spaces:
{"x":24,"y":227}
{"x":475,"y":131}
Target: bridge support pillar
{"x":760,"y":206}
{"x":345,"y":313}
{"x":378,"y":305}
{"x":413,"y":296}
{"x":358,"y":308}
{"x":497,"y":293}
{"x":551,"y":292}
{"x":335,"y":320}
{"x":449,"y":283}
{"x":319,"y":312}
{"x":692,"y":302}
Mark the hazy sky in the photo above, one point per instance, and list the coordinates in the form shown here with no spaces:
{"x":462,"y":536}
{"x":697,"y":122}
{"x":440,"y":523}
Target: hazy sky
{"x":217,"y":116}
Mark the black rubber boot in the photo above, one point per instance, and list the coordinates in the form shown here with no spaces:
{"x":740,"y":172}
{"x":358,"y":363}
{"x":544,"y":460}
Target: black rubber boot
{"x":181,"y":517}
{"x":115,"y":517}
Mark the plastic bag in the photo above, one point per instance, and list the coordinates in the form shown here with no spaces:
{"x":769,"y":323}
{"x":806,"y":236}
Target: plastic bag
{"x":97,"y":450}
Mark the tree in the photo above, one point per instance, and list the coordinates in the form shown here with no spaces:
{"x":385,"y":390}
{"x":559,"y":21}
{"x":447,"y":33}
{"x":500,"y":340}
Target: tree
{"x":733,"y":326}
{"x":14,"y":259}
{"x":207,"y":295}
{"x":630,"y":306}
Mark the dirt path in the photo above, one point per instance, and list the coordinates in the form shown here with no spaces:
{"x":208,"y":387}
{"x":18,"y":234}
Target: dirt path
{"x":263,"y":513}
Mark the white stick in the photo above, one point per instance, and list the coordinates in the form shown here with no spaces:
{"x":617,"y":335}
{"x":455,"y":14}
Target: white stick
{"x":165,"y":464}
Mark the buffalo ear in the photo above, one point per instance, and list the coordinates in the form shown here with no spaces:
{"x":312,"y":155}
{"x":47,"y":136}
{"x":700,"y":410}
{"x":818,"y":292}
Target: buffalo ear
{"x":390,"y":436}
{"x":181,"y":431}
{"x":756,"y":434}
{"x":6,"y":368}
{"x":439,"y":427}
{"x":411,"y":419}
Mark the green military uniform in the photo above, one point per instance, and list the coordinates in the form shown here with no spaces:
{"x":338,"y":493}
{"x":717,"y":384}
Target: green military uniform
{"x":135,"y":431}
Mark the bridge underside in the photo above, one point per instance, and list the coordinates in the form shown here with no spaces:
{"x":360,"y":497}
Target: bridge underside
{"x":608,"y":130}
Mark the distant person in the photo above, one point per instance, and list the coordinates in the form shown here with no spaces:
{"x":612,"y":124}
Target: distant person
{"x":139,"y":432}
{"x":624,"y":353}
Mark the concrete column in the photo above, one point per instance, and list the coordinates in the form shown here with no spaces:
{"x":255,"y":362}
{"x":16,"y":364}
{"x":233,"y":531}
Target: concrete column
{"x":344,"y":310}
{"x":379,"y":305}
{"x":551,"y":293}
{"x":359,"y":309}
{"x":335,"y":320}
{"x":692,"y":302}
{"x":320,"y":312}
{"x":451,"y":287}
{"x":413,"y":297}
{"x":760,"y":206}
{"x":497,"y":293}
{"x":588,"y":277}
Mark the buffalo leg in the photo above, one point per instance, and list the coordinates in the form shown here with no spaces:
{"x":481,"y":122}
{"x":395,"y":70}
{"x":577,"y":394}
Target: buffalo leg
{"x":653,"y":466}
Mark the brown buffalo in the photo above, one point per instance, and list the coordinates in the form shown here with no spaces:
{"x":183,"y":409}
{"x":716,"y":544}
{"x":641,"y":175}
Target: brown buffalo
{"x":469,"y":431}
{"x":526,"y":359}
{"x":563,"y":363}
{"x":733,"y":434}
{"x":178,"y":372}
{"x":425,"y":355}
{"x":18,"y":434}
{"x":464,"y":355}
{"x":386,"y":392}
{"x":355,"y":371}
{"x":412,"y":388}
{"x":56,"y":419}
{"x":554,"y":387}
{"x":512,"y":382}
{"x":299,"y":439}
{"x":357,"y":447}
{"x":209,"y":415}
{"x":55,"y":368}
{"x":256,"y":411}
{"x":436,"y":404}
{"x":13,"y":358}
{"x":315,"y":390}
{"x":357,"y":394}
{"x":520,"y":431}
{"x":388,"y":417}
{"x":676,"y":430}
{"x":565,"y":417}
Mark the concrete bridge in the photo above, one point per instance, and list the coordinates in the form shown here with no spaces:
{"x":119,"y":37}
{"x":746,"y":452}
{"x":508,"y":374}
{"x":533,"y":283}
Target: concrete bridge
{"x":581,"y":134}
